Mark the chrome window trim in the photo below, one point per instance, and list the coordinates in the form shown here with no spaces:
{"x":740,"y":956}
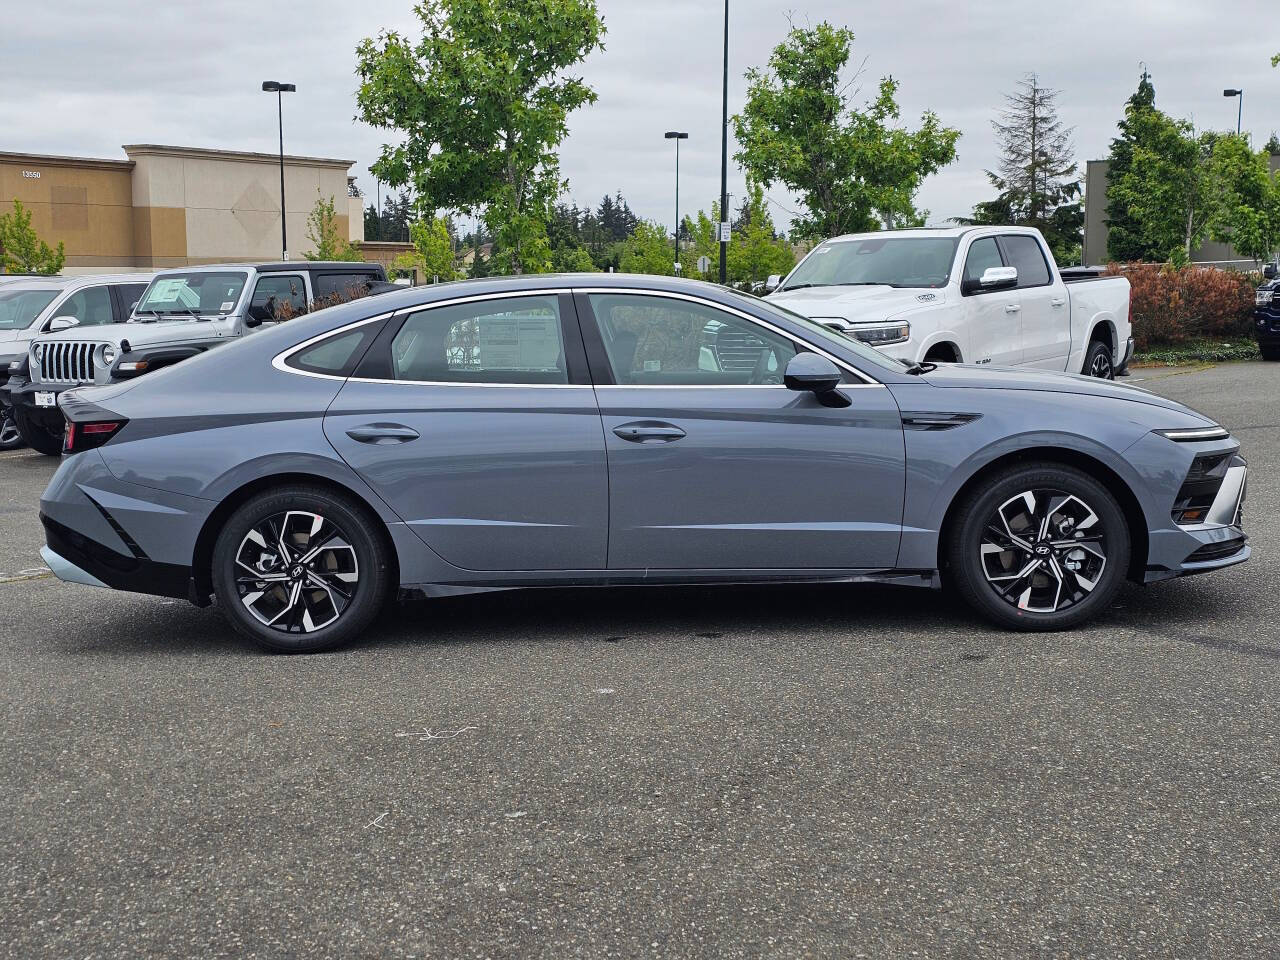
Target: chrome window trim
{"x":278,"y":361}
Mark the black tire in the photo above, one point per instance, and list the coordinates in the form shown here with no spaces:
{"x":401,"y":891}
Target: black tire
{"x":36,"y":432}
{"x":356,"y":548}
{"x":993,"y":517}
{"x":1098,"y":361}
{"x":1269,"y":353}
{"x":10,"y":435}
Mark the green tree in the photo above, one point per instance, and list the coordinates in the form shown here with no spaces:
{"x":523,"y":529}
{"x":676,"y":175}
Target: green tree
{"x":1037,"y":182}
{"x":433,"y":254}
{"x":482,"y":99}
{"x":700,"y":240}
{"x":647,"y":250}
{"x":572,"y":260}
{"x":1245,"y":198}
{"x":756,"y":251}
{"x":1125,"y":242}
{"x":853,"y":168}
{"x":325,"y":232}
{"x":22,"y":251}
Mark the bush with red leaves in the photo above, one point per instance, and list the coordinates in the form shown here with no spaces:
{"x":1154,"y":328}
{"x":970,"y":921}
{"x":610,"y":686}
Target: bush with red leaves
{"x":1170,"y":304}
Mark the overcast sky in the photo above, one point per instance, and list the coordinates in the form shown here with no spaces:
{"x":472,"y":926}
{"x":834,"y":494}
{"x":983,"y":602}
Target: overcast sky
{"x":83,"y":77}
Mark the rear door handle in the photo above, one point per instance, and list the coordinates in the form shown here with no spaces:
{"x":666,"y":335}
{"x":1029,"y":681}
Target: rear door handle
{"x":648,"y":431}
{"x":382,"y":433}
{"x":1011,"y":308}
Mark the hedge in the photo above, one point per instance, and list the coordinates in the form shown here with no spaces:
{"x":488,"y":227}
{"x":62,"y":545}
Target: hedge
{"x":1170,"y":305}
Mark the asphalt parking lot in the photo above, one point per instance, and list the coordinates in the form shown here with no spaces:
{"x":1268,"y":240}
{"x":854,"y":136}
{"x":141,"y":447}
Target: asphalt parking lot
{"x":819,"y":771}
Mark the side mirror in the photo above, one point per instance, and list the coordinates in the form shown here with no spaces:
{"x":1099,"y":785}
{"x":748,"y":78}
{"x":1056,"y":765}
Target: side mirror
{"x":772,"y":284}
{"x":993,"y":278}
{"x":814,"y":373}
{"x":256,"y":314}
{"x":63,"y":323}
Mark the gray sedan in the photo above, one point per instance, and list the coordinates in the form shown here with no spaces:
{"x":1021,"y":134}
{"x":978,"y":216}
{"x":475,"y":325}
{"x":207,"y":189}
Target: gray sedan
{"x":619,"y":430}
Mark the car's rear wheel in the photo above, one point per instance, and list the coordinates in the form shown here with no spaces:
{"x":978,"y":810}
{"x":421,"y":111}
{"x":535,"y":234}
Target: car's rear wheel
{"x":300,"y":569}
{"x":1039,"y":547}
{"x":10,"y":435}
{"x":1098,"y":362}
{"x":37,"y":432}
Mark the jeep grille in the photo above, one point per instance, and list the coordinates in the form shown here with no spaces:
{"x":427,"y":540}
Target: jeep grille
{"x":67,"y":361}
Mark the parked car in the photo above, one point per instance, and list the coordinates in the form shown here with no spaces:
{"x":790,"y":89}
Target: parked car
{"x":32,"y":305}
{"x":964,"y":295}
{"x":184,"y":312}
{"x":580,"y":430}
{"x":1266,"y":317}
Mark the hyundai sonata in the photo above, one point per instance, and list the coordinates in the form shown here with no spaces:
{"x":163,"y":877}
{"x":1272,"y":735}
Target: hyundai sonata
{"x":619,"y":430}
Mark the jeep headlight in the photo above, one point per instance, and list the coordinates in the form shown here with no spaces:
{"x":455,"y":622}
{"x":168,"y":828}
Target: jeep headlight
{"x":37,"y":352}
{"x":108,"y":355}
{"x":884,"y":335}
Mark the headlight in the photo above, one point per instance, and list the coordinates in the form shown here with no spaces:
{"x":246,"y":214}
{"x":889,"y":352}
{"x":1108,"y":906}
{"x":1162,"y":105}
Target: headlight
{"x":1262,"y":298}
{"x":1195,"y":434}
{"x":37,"y":352}
{"x":883,"y":336}
{"x":108,"y":355}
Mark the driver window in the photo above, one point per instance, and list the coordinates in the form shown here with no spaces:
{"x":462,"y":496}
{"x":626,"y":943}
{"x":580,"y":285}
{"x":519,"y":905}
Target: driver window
{"x":278,"y":297}
{"x":659,"y":341}
{"x":90,"y":306}
{"x":983,"y":255}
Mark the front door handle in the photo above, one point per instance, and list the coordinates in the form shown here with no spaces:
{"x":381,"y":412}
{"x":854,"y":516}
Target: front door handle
{"x":648,"y":431}
{"x":382,"y":433}
{"x":1011,"y":308}
{"x":1057,"y":301}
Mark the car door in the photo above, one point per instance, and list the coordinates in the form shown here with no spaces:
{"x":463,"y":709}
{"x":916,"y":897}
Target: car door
{"x":475,"y":420}
{"x":994,"y":325}
{"x":1046,"y":319}
{"x":714,"y":464}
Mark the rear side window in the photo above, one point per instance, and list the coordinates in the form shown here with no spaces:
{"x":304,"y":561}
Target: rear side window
{"x":337,"y":355}
{"x":983,"y":255}
{"x":1023,"y":252}
{"x":509,"y":340}
{"x":350,"y":285}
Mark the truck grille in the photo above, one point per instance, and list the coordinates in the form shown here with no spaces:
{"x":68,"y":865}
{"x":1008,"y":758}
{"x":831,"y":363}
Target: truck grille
{"x":67,"y":361}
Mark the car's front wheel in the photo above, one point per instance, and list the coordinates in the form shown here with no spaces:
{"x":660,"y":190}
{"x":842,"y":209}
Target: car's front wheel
{"x":300,"y":569}
{"x":38,"y":434}
{"x":1040,"y":546}
{"x":10,"y":435}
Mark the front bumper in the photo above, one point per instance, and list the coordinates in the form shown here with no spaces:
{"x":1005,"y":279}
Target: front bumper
{"x":1219,"y":540}
{"x":1266,"y":328}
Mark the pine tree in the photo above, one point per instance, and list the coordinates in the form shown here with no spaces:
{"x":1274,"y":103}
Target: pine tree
{"x":1037,"y":183}
{"x":1124,"y":234}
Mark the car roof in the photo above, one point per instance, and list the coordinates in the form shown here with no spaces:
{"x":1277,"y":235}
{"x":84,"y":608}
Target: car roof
{"x":949,"y":233}
{"x":279,"y":266}
{"x":74,"y":282}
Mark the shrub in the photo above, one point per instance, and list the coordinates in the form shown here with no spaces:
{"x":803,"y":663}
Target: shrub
{"x":1169,"y":305}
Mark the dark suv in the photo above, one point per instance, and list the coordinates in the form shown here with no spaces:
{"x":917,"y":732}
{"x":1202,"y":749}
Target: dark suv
{"x":1266,"y":319}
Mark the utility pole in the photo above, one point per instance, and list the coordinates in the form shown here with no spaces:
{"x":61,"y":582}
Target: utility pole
{"x":677,"y":136}
{"x":724,"y":155}
{"x":280,"y":89}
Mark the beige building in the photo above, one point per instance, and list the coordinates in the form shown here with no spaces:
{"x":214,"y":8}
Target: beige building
{"x":174,"y":206}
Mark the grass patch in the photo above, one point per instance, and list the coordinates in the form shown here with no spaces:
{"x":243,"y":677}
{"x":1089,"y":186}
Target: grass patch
{"x":1196,"y":351}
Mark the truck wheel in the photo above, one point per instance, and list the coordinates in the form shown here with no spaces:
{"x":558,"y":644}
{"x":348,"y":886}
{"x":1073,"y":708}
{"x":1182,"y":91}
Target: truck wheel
{"x":1270,"y":353}
{"x":1097,"y":362}
{"x":1040,"y":546}
{"x":10,"y":435}
{"x":300,"y":569}
{"x":38,"y":436}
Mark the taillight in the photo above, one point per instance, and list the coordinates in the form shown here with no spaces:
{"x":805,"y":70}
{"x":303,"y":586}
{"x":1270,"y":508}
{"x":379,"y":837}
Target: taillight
{"x":86,"y":436}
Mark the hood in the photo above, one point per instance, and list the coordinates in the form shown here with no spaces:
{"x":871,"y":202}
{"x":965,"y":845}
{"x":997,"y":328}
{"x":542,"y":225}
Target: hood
{"x":858,"y":304}
{"x":973,"y":376}
{"x":141,"y":334}
{"x":12,"y":336}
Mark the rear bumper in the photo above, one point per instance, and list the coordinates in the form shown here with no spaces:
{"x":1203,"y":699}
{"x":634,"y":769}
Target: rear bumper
{"x":1126,"y":356}
{"x":75,"y":558}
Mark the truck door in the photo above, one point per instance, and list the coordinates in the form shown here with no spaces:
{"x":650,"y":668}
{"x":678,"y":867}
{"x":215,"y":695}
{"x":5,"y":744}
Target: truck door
{"x":1046,"y":313}
{"x":994,"y":326}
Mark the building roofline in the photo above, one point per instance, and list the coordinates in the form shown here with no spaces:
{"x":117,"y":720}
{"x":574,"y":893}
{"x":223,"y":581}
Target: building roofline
{"x":157,"y":149}
{"x":56,"y":160}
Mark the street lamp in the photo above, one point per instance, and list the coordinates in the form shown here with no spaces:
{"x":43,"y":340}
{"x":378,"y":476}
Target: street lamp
{"x":677,"y":136}
{"x":279,"y":89}
{"x":1239,"y":107}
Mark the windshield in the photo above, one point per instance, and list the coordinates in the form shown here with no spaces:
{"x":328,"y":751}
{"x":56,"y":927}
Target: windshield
{"x":893,"y":261}
{"x":19,"y":308}
{"x":823,"y":336}
{"x":188,"y":294}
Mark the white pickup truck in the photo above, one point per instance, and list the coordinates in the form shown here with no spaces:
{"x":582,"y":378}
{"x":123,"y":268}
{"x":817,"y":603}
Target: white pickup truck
{"x":964,"y":295}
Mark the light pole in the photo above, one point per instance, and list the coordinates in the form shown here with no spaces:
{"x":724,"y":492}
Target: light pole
{"x":724,"y":153}
{"x":677,"y":136}
{"x":280,"y":89}
{"x":1239,"y":106}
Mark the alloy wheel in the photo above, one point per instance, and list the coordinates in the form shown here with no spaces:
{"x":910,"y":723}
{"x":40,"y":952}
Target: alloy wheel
{"x":296,"y":572}
{"x":10,"y":435}
{"x":1101,"y":366}
{"x":1043,"y":550}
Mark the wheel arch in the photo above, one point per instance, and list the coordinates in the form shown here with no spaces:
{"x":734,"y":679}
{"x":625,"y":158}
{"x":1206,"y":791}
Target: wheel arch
{"x":202,"y":553}
{"x":1135,"y":519}
{"x":944,"y":343}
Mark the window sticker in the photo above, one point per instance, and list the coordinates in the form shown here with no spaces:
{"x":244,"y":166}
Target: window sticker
{"x":227,"y":305}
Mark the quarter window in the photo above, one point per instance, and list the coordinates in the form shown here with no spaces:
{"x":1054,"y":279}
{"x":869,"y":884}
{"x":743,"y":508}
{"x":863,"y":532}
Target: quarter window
{"x":347,"y":286}
{"x":1024,"y":253}
{"x":337,"y":355}
{"x":983,"y":255}
{"x":668,"y":342}
{"x":507,"y":340}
